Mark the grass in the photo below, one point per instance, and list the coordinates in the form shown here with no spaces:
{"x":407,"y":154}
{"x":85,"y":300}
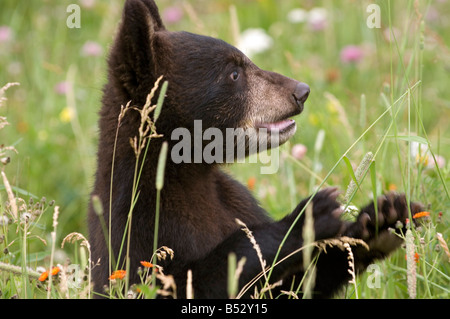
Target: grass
{"x":388,"y":102}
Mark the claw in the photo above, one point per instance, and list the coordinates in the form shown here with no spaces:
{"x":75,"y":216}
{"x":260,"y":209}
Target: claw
{"x":332,"y":192}
{"x":380,"y":219}
{"x":337,"y":212}
{"x":392,"y":215}
{"x":364,"y":219}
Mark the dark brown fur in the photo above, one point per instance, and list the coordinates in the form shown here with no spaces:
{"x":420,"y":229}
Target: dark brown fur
{"x":199,"y":203}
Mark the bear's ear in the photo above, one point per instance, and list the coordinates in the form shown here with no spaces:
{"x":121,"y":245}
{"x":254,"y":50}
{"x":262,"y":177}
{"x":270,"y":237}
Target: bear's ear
{"x":132,"y":60}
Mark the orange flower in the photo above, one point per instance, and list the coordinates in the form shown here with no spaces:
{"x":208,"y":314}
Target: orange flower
{"x":251,"y":183}
{"x":44,"y":275}
{"x":55,"y":271}
{"x":416,"y":257}
{"x":421,"y":214}
{"x":146,"y":264}
{"x":392,"y":187}
{"x":118,"y":274}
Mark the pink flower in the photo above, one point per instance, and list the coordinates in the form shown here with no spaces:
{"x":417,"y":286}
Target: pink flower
{"x":61,"y":88}
{"x":172,"y":14}
{"x":298,"y":151}
{"x":91,"y":48}
{"x":351,"y":54}
{"x":5,"y":34}
{"x":87,"y":4}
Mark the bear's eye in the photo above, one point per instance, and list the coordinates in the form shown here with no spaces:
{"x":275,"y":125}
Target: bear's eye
{"x":234,"y":75}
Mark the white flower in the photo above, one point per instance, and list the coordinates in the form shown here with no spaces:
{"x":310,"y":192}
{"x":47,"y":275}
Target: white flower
{"x":316,"y":18}
{"x":4,"y":220}
{"x":253,"y":41}
{"x":422,"y":155}
{"x":297,"y":15}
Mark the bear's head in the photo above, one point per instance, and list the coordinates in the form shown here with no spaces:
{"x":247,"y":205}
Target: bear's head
{"x":208,"y":80}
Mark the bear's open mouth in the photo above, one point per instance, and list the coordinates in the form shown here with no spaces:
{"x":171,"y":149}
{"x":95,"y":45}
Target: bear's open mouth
{"x":280,"y":126}
{"x":283,"y":125}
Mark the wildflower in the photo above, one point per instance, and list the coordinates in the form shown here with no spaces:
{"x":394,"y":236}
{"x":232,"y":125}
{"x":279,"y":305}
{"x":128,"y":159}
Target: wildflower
{"x":440,"y":162}
{"x":251,"y":183}
{"x":298,"y":151}
{"x":5,"y":34}
{"x":91,"y":48}
{"x":416,"y":257}
{"x":351,"y":54}
{"x":66,"y":115}
{"x":118,"y":274}
{"x":253,"y":41}
{"x":392,"y":187}
{"x":4,"y":220}
{"x":53,"y":272}
{"x":43,"y":276}
{"x":421,"y":154}
{"x":87,"y":4}
{"x":317,"y":19}
{"x":332,"y":75}
{"x":61,"y":88}
{"x":172,"y":14}
{"x":421,"y":214}
{"x":146,"y":264}
{"x":439,"y":219}
{"x":297,"y":15}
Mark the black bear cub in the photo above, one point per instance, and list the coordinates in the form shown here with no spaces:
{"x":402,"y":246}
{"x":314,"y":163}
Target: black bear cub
{"x":212,"y":82}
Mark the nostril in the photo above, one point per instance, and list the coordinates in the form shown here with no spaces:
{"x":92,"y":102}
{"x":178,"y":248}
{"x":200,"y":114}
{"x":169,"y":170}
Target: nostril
{"x":301,"y":92}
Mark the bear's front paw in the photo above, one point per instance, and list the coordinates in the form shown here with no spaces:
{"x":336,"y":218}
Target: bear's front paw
{"x":373,"y":226}
{"x":326,"y":213}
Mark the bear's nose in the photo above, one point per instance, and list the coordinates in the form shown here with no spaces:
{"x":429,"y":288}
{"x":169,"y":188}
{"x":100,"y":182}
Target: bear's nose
{"x":301,"y":93}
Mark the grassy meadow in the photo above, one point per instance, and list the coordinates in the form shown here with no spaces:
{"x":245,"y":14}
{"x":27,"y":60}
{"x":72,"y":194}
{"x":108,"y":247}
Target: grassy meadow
{"x":379,"y":87}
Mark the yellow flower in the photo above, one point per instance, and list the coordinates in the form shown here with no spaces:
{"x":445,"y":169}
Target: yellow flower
{"x":66,"y":115}
{"x":314,"y":119}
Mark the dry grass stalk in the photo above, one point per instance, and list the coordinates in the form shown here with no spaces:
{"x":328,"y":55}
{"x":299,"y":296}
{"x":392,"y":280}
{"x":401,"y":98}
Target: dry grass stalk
{"x":351,"y":264}
{"x":289,"y":293}
{"x":257,"y":248}
{"x":72,"y":238}
{"x":443,"y":244}
{"x":3,"y":90}
{"x":147,"y":127}
{"x":257,"y":294}
{"x":162,"y":253}
{"x":250,"y":236}
{"x":169,"y":288}
{"x":11,"y":197}
{"x":340,"y":242}
{"x":308,"y":240}
{"x":189,"y":288}
{"x":410,"y":264}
